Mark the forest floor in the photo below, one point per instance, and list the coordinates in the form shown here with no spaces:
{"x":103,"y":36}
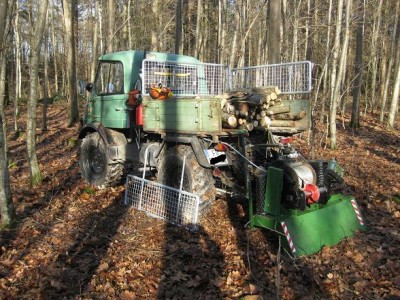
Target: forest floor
{"x":72,"y":241}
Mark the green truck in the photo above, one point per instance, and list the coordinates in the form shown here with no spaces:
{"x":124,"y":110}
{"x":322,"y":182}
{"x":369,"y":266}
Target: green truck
{"x":207,"y":129}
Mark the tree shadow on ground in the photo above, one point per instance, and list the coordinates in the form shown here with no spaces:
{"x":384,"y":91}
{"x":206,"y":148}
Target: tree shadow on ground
{"x":71,"y":273}
{"x":30,"y":208}
{"x":193,"y":265}
{"x":269,"y":266}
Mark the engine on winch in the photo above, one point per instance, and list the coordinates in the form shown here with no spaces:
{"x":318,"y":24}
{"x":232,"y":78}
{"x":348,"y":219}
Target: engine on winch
{"x":304,"y":182}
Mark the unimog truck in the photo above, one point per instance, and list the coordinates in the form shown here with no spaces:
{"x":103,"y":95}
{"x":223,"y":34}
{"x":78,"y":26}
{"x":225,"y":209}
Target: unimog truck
{"x":205,"y":129}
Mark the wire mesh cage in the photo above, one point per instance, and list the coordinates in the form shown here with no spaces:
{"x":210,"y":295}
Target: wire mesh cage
{"x":185,"y":79}
{"x":163,"y":202}
{"x":261,"y":184}
{"x":290,"y":78}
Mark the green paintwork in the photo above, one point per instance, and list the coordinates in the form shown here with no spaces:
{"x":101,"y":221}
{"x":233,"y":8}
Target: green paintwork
{"x":273,"y":194}
{"x":310,"y":230}
{"x":183,"y":115}
{"x":111,"y":110}
{"x":323,"y":226}
{"x":315,"y":227}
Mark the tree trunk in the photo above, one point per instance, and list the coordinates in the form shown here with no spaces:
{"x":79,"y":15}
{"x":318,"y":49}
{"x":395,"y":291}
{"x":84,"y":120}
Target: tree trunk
{"x":232,"y":58}
{"x":154,"y":35}
{"x":334,"y":95}
{"x":199,"y":23}
{"x":274,"y":26}
{"x":355,"y":114}
{"x":343,"y":57}
{"x":46,"y":82}
{"x":36,"y":176}
{"x":69,"y":15}
{"x":7,"y":211}
{"x":17,"y":67}
{"x":390,"y":65}
{"x":94,"y":43}
{"x":374,"y":54}
{"x":54,"y":43}
{"x":110,"y":24}
{"x":309,"y":30}
{"x":396,"y":88}
{"x":178,"y":26}
{"x":326,"y":65}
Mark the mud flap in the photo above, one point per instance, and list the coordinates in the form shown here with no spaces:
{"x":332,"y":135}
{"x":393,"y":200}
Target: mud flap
{"x":307,"y":232}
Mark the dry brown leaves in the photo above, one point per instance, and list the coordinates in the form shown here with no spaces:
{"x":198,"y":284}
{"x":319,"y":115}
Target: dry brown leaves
{"x":73,"y":241}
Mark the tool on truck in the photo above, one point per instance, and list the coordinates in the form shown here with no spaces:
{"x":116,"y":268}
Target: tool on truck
{"x":204,"y":128}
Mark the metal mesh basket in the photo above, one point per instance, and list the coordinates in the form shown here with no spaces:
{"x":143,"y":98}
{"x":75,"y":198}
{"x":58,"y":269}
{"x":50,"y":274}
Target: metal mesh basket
{"x":261,"y":184}
{"x":290,"y":78}
{"x":185,"y":79}
{"x":163,"y":202}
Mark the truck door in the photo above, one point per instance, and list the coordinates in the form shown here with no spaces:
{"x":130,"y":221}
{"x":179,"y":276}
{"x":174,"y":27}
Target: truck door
{"x":108,"y":101}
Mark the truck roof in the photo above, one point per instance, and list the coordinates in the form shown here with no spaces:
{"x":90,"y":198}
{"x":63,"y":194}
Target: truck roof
{"x":130,"y":54}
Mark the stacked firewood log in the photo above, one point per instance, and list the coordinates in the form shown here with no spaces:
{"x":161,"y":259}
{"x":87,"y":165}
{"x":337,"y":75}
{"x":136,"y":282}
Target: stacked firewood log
{"x":258,"y":107}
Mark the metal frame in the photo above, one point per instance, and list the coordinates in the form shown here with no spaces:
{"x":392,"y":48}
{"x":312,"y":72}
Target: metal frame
{"x":290,"y":78}
{"x":205,"y":79}
{"x":161,"y":201}
{"x":185,"y":78}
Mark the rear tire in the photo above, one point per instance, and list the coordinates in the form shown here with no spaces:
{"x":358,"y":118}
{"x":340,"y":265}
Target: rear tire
{"x":94,"y":163}
{"x":197,"y":180}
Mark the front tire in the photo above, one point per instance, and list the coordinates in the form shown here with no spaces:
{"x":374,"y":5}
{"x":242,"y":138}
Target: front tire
{"x":94,"y":163}
{"x":197,"y":180}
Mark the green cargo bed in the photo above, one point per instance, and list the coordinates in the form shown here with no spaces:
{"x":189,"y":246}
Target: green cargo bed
{"x":183,"y":115}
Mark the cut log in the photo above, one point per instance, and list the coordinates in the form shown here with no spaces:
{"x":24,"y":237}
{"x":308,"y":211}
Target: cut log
{"x":241,"y":121}
{"x":266,"y":90}
{"x":279,"y":123}
{"x":278,"y":110}
{"x":264,"y":121}
{"x":247,"y":126}
{"x":288,"y":116}
{"x":265,"y":106}
{"x":274,"y":96}
{"x":229,"y":108}
{"x":229,"y":121}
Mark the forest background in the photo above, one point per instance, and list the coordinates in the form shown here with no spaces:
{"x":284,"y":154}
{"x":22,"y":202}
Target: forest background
{"x":49,"y":50}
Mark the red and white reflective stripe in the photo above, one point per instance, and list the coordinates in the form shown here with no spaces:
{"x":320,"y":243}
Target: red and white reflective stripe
{"x":286,"y":231}
{"x":357,"y":211}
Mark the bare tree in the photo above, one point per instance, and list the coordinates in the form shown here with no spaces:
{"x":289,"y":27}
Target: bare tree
{"x":69,"y":7}
{"x":396,"y":90}
{"x":390,"y":64}
{"x":374,"y":54}
{"x":95,"y":42}
{"x":7,"y":211}
{"x":45,"y":81}
{"x":274,"y":26}
{"x":17,"y":67}
{"x":110,"y":24}
{"x":178,"y":26}
{"x":333,"y":95}
{"x":36,"y":176}
{"x":355,"y":114}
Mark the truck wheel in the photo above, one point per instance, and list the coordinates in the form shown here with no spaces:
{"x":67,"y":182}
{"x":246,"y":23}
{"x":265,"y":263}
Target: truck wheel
{"x":94,"y":165}
{"x":197,"y":180}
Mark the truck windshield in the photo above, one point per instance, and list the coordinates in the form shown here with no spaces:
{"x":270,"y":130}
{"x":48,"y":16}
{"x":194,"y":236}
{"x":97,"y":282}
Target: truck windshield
{"x":110,"y":78}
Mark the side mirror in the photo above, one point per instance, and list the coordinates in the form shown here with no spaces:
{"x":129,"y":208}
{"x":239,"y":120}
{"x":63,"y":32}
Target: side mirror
{"x":89,"y":87}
